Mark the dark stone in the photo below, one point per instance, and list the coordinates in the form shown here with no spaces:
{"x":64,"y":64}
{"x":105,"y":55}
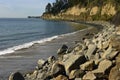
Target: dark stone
{"x":62,"y":50}
{"x":16,"y":76}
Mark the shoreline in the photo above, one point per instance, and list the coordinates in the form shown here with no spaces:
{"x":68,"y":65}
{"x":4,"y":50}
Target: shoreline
{"x":94,"y":56}
{"x":42,"y":50}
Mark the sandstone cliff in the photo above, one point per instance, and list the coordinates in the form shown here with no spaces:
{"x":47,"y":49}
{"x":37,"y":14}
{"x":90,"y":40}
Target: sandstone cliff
{"x":106,"y":10}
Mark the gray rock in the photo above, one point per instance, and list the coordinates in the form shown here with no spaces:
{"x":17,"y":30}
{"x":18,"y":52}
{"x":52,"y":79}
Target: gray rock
{"x":91,"y":50}
{"x":89,"y":76}
{"x":73,"y":62}
{"x":87,"y":65}
{"x":62,"y":50}
{"x":57,"y":69}
{"x":41,"y":62}
{"x":16,"y":76}
{"x":104,"y":66}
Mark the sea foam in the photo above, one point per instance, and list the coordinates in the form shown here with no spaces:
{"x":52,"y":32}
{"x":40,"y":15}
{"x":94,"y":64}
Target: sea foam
{"x":26,"y":45}
{"x":29,"y":44}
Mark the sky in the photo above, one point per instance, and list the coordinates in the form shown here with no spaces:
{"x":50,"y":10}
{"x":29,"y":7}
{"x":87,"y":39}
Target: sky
{"x":22,"y":8}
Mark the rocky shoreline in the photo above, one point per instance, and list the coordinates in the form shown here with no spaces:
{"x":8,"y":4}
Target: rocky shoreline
{"x":96,"y":58}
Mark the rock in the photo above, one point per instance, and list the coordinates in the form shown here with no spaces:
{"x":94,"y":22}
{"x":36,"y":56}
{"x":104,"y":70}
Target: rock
{"x":89,"y":65}
{"x":97,"y":56}
{"x":91,"y":50}
{"x":118,"y":60}
{"x":115,"y":42}
{"x":87,"y":42}
{"x":78,"y":49}
{"x":76,"y":74}
{"x":41,"y":75}
{"x":104,"y":67}
{"x":62,"y":50}
{"x":16,"y":76}
{"x":32,"y":75}
{"x":105,"y":44}
{"x":99,"y":45}
{"x":51,"y":59}
{"x":61,"y":77}
{"x":114,"y":73}
{"x":107,"y":52}
{"x":57,"y":69}
{"x":112,"y":55}
{"x":41,"y":62}
{"x":118,"y":31}
{"x":89,"y":76}
{"x":73,"y":62}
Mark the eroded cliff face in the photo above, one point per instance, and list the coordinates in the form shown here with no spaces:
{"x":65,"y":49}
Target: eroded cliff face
{"x":89,"y":13}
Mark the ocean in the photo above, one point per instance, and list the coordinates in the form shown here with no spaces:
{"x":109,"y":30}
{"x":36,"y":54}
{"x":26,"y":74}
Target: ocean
{"x":16,"y":33}
{"x":24,"y":41}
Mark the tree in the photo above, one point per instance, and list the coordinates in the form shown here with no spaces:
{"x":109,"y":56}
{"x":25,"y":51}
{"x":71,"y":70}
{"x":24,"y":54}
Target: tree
{"x":48,"y":8}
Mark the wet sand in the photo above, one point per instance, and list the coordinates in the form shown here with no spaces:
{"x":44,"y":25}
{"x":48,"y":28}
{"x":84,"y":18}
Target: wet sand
{"x":26,"y":59}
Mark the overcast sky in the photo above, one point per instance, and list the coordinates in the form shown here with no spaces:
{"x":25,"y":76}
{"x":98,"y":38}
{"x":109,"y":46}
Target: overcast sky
{"x":22,"y":8}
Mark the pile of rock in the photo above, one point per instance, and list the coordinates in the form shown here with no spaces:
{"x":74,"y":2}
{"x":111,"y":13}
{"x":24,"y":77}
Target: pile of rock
{"x":93,"y":59}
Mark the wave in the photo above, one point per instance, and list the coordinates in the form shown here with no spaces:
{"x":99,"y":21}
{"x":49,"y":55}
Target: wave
{"x":28,"y":45}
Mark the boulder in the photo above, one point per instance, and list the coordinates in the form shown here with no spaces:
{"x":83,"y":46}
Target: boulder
{"x":61,"y":77}
{"x":90,"y":51}
{"x":118,"y":31}
{"x":99,"y":44}
{"x":89,"y":65}
{"x":76,"y":74}
{"x":62,"y":50}
{"x":57,"y":69}
{"x":107,"y":52}
{"x":112,"y":55}
{"x":115,"y":42}
{"x":41,"y":62}
{"x":33,"y":75}
{"x":114,"y":73}
{"x":103,"y":67}
{"x":73,"y":62}
{"x":42,"y":75}
{"x":51,"y":59}
{"x":89,"y":76}
{"x":16,"y":76}
{"x":97,"y":56}
{"x":105,"y":44}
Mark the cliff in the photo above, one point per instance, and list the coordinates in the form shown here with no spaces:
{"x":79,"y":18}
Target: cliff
{"x":105,"y":10}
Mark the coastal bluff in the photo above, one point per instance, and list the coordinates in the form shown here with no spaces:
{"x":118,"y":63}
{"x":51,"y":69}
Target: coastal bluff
{"x":95,"y":58}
